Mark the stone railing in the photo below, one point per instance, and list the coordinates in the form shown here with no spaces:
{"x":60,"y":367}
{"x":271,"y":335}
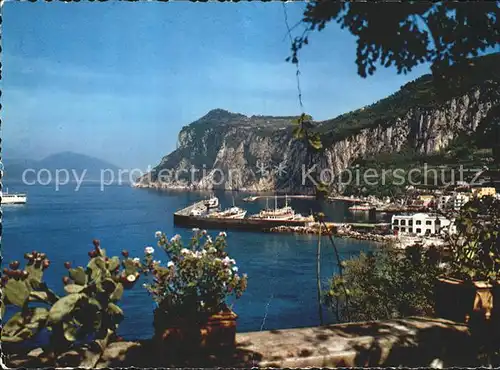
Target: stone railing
{"x":411,"y":342}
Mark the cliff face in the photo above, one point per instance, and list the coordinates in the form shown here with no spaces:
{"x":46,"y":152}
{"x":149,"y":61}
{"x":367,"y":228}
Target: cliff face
{"x":231,"y":151}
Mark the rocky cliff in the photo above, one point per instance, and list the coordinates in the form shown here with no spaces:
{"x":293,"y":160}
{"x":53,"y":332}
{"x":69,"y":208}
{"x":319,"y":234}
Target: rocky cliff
{"x":232,"y":151}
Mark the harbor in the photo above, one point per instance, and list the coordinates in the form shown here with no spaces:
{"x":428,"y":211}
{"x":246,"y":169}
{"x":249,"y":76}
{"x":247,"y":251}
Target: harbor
{"x":206,"y":214}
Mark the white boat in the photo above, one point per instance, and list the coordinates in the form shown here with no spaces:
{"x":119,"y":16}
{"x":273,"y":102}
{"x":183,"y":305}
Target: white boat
{"x":284,"y":213}
{"x":233,"y":213}
{"x":362,"y":207}
{"x":250,"y":199}
{"x":15,"y":198}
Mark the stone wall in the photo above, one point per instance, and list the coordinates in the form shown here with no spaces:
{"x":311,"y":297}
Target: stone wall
{"x":412,"y":342}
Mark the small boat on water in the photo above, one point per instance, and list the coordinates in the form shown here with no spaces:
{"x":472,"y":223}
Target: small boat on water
{"x":15,"y":198}
{"x":250,"y":199}
{"x":362,"y":207}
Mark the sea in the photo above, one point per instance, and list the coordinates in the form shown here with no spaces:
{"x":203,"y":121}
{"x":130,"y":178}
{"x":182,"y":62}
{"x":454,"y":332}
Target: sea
{"x":281,"y":268}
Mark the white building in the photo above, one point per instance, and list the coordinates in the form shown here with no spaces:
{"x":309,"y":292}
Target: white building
{"x":454,"y":201}
{"x":445,"y":202}
{"x":420,"y":224}
{"x":459,"y":200}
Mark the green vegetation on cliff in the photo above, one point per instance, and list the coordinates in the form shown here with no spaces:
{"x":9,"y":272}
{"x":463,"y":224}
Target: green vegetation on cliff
{"x":421,"y":93}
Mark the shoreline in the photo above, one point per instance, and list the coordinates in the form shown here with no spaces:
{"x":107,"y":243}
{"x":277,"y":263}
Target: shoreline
{"x":333,"y":231}
{"x":348,"y":233}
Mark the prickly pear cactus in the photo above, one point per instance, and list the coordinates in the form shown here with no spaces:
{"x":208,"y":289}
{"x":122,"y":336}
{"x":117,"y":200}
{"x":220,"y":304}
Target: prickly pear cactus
{"x":89,"y":306}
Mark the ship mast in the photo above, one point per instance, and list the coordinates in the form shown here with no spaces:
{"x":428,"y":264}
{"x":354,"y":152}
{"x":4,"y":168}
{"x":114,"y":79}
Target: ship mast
{"x":275,"y":202}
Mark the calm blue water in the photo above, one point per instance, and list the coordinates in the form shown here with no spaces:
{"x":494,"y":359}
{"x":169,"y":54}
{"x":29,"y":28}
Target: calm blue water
{"x":281,"y":267}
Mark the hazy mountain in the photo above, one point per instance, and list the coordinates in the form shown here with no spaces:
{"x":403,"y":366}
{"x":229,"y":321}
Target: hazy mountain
{"x":75,"y":164}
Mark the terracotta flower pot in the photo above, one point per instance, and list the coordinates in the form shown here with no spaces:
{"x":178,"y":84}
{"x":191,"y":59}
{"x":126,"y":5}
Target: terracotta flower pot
{"x":215,"y":333}
{"x":462,"y":301}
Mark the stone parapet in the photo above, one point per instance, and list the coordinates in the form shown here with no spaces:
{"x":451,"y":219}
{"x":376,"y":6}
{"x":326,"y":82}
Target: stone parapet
{"x":411,"y":342}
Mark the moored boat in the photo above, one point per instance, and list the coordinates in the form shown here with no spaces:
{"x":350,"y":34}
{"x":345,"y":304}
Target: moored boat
{"x":362,"y":207}
{"x":15,"y":198}
{"x":283,"y":214}
{"x":233,"y":213}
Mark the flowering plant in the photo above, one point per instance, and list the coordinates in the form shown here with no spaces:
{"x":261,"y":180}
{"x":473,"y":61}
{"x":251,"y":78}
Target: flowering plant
{"x":197,"y":280}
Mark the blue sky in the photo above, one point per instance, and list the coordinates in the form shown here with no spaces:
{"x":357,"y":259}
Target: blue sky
{"x":118,"y":80}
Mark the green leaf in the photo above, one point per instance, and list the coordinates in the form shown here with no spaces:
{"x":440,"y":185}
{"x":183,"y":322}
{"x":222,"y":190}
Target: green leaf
{"x":38,"y":296}
{"x":16,"y":292}
{"x":37,"y":319}
{"x":118,"y":293}
{"x":130,"y":267}
{"x":73,"y":288}
{"x":114,"y":310}
{"x":113,"y":263}
{"x":78,"y":275}
{"x":70,"y":331}
{"x":99,"y":262}
{"x":13,"y":326}
{"x":63,"y":307}
{"x":95,"y":303}
{"x":39,"y":314}
{"x":35,"y":275}
{"x":97,"y":267}
{"x":22,"y":335}
{"x":20,"y":328}
{"x":298,"y":132}
{"x":315,"y":142}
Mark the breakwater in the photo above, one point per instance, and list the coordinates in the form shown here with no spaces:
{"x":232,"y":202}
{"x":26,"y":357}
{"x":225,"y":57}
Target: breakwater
{"x":339,"y":230}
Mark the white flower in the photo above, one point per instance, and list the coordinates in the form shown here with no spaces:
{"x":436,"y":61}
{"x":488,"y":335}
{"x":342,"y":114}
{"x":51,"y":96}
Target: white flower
{"x":170,"y":264}
{"x":144,"y":285}
{"x":131,"y":278}
{"x":204,"y":232}
{"x":195,"y":230}
{"x":157,"y":234}
{"x":175,"y":238}
{"x":229,"y":272}
{"x":232,"y":261}
{"x":185,"y":251}
{"x":235,"y":269}
{"x":156,"y":262}
{"x":223,"y":234}
{"x":202,"y":304}
{"x":212,"y":250}
{"x":226,"y":260}
{"x":136,"y":260}
{"x":203,"y":252}
{"x":149,"y":250}
{"x":209,"y":239}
